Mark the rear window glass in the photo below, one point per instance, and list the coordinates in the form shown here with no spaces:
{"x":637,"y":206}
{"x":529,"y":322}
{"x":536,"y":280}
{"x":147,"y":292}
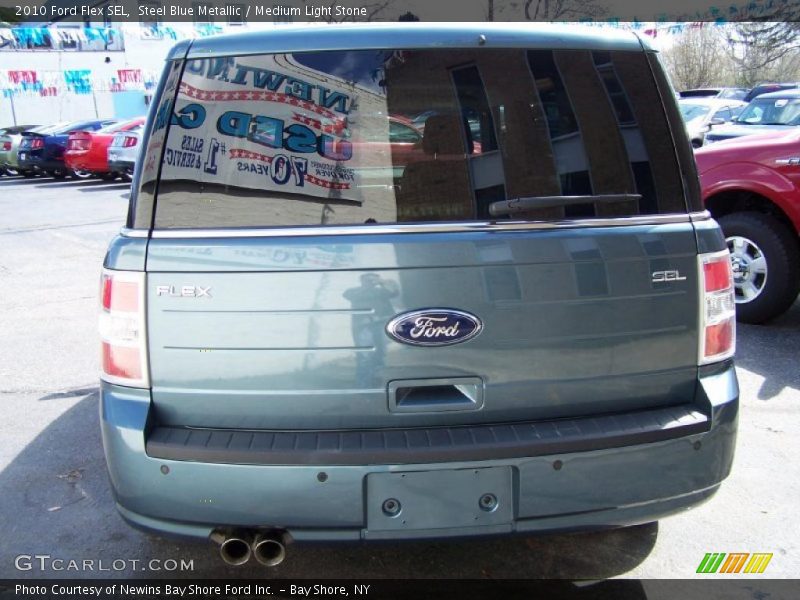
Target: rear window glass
{"x":115,"y":127}
{"x":772,"y":111}
{"x":362,"y":137}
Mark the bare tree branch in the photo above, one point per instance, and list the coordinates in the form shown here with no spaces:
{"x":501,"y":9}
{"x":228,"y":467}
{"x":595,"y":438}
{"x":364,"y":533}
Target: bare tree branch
{"x":755,"y":47}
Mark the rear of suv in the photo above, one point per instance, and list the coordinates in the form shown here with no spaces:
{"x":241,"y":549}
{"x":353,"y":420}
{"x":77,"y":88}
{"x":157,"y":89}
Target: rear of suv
{"x":423,"y":281}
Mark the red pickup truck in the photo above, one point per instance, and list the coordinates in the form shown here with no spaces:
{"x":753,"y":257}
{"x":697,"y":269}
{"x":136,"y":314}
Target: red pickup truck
{"x":751,"y":185}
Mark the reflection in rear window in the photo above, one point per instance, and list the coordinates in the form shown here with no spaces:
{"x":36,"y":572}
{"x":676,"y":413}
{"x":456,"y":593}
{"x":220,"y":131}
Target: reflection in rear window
{"x":361,"y":137}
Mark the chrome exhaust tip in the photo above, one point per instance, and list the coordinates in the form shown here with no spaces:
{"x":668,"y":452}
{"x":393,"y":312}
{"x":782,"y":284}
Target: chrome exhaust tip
{"x":233,"y":550}
{"x":269,"y":548}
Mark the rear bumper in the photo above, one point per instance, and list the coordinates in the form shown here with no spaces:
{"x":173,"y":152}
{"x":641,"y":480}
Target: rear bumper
{"x":83,"y":161}
{"x":8,"y":159}
{"x":121,"y":166}
{"x":561,"y":490}
{"x":36,"y":163}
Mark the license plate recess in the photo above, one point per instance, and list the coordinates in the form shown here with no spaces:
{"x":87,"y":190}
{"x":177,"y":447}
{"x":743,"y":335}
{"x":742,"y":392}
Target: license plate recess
{"x":439,"y":499}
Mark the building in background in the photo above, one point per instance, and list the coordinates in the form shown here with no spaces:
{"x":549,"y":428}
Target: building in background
{"x":60,"y":70}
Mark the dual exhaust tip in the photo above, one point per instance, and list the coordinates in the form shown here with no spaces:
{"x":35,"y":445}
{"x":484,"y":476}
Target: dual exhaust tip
{"x":268,"y":548}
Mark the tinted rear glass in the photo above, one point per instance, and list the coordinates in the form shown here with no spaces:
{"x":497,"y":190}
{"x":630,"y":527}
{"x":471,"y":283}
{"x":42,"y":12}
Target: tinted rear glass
{"x":359,"y":137}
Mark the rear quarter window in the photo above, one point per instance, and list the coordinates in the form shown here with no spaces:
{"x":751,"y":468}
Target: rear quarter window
{"x":404,"y":136}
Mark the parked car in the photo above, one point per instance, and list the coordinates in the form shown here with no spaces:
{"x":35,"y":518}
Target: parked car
{"x":535,"y":337}
{"x":87,"y":151}
{"x":751,"y":185}
{"x":768,"y":88}
{"x":9,"y":140}
{"x":124,"y":150}
{"x":403,"y":143}
{"x":43,"y":152}
{"x":725,"y":93}
{"x":777,"y":111}
{"x":700,"y":114}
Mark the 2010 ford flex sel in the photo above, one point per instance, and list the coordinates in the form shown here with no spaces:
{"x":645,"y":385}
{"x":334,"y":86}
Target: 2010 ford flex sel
{"x":414,"y":281}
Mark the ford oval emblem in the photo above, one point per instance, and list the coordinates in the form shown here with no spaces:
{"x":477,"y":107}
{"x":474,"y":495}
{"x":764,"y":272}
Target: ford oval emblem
{"x":434,"y":327}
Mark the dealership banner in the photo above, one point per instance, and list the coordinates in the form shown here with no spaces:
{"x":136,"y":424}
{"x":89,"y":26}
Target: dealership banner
{"x":269,"y":123}
{"x":80,"y":81}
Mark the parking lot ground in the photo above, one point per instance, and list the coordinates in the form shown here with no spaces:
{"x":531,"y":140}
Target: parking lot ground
{"x":56,"y":499}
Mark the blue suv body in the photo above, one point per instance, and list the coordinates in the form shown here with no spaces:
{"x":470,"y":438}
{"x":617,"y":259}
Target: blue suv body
{"x":418,"y":281}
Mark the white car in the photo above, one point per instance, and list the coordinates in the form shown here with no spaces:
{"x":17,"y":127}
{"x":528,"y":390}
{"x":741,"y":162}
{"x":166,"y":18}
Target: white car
{"x":123,"y":151}
{"x":701,"y":114}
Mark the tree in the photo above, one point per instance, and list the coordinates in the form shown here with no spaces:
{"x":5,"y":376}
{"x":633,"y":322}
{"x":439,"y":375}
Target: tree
{"x":553,"y":10}
{"x":544,"y":10}
{"x":697,"y":59}
{"x":764,"y":51}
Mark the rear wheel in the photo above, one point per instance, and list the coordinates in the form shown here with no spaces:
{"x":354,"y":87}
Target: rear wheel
{"x":80,"y":174}
{"x":11,"y":172}
{"x":765,"y":257}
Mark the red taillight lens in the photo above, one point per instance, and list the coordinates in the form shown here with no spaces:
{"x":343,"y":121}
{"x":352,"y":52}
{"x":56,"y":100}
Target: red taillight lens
{"x":121,"y":362}
{"x":79,"y":141}
{"x":37,"y":143}
{"x":129,"y":141}
{"x":720,"y":338}
{"x":717,"y":273}
{"x":6,"y":146}
{"x":122,"y":332}
{"x":717,"y":308}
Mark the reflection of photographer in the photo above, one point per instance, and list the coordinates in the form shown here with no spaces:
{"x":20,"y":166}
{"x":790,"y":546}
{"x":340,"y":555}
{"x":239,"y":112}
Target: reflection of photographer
{"x":368,"y":328}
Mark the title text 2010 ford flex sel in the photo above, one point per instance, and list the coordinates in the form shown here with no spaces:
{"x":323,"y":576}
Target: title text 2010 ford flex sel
{"x":414,"y":281}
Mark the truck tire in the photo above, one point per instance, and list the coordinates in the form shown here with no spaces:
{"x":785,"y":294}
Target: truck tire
{"x":765,"y":255}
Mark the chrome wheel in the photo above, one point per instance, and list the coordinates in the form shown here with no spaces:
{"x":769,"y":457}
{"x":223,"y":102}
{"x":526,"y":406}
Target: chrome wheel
{"x":80,"y":174}
{"x":749,"y":268}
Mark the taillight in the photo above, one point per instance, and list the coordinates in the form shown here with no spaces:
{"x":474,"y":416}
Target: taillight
{"x":6,"y":146}
{"x":717,"y":308}
{"x":79,"y":141}
{"x":122,"y":328}
{"x":37,"y":143}
{"x":129,"y":141}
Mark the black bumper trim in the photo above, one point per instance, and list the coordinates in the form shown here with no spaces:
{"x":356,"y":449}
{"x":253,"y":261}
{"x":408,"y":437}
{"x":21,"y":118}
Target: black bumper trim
{"x":424,"y":445}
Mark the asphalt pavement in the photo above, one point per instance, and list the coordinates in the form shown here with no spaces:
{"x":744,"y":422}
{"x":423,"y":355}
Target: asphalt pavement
{"x":56,"y":499}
